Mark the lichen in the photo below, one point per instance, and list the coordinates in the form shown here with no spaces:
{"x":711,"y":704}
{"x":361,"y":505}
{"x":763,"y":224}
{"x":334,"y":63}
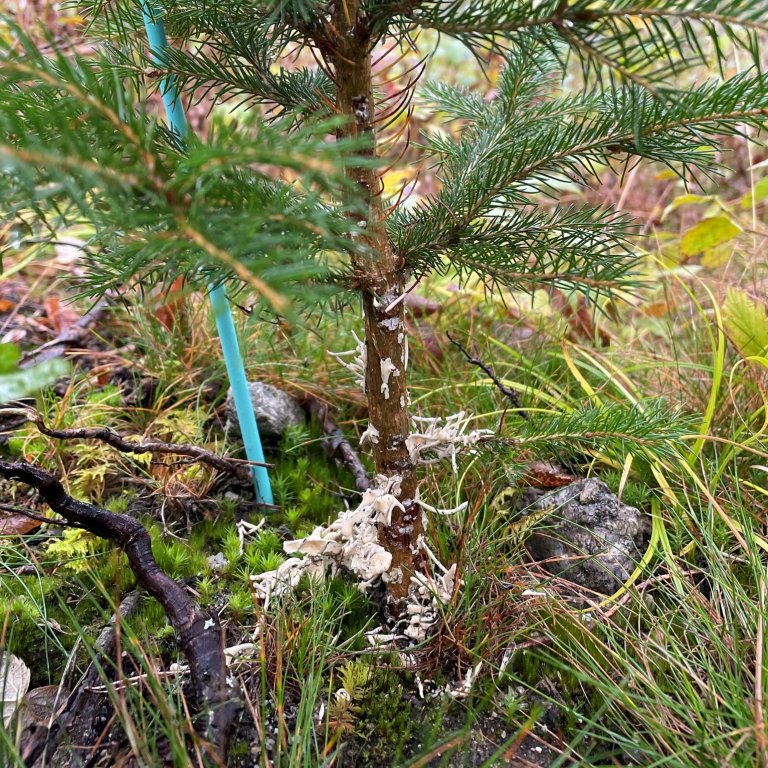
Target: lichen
{"x":391,"y":324}
{"x":358,"y":363}
{"x":351,"y":541}
{"x":439,"y":440}
{"x":371,"y":435}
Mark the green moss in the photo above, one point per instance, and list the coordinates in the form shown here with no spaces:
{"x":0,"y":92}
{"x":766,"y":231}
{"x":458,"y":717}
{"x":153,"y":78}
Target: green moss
{"x":385,"y":720}
{"x":176,"y":557}
{"x":150,"y":623}
{"x":37,"y":613}
{"x":206,"y":534}
{"x":240,"y":604}
{"x":207,"y":588}
{"x":230,"y":547}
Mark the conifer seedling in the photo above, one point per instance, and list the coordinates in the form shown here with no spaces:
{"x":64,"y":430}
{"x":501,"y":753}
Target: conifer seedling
{"x":272,"y":202}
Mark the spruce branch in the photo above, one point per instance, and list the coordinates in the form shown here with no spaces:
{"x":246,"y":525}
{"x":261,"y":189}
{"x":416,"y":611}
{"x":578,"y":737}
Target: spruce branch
{"x":642,"y":41}
{"x":649,"y":428}
{"x":232,"y":63}
{"x":527,"y":142}
{"x":212,"y":211}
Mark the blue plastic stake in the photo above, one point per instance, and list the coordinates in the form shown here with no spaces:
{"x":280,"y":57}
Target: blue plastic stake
{"x":177,"y":120}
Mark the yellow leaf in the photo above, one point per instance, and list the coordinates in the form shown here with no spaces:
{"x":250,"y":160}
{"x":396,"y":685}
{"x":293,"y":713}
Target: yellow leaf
{"x":746,"y":323}
{"x":707,"y":234}
{"x":686,"y":200}
{"x":757,"y":194}
{"x":716,"y":257}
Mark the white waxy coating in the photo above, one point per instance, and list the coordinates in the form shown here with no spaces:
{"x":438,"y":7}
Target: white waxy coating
{"x":388,"y":368}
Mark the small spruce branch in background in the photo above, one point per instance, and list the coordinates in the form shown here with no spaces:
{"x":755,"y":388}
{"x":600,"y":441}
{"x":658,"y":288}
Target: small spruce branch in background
{"x":220,"y":212}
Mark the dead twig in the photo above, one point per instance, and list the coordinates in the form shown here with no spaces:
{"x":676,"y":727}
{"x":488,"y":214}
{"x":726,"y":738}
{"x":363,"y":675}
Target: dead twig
{"x":12,"y":509}
{"x":200,"y":635}
{"x":336,"y":445}
{"x":238,"y":467}
{"x":72,"y":335}
{"x":510,"y":394}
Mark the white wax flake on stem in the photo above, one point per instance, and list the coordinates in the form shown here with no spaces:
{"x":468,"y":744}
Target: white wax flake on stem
{"x":391,"y":324}
{"x":438,"y":440}
{"x":425,"y":597}
{"x":388,"y":368}
{"x":386,"y":299}
{"x":371,"y":435}
{"x":357,"y":365}
{"x":439,"y":511}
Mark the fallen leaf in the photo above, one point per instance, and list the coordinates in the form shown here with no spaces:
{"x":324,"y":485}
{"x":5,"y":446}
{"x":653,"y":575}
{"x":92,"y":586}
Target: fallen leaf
{"x":40,"y":703}
{"x":708,"y":233}
{"x":60,"y":317}
{"x":172,"y":304}
{"x":543,"y":474}
{"x":14,"y":682}
{"x":17,"y":525}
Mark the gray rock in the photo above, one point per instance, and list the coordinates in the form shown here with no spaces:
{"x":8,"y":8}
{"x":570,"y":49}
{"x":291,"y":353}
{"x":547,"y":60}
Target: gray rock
{"x":590,"y":537}
{"x":275,"y":411}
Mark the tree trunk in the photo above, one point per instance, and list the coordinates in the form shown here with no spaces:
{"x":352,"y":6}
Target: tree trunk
{"x":381,"y":281}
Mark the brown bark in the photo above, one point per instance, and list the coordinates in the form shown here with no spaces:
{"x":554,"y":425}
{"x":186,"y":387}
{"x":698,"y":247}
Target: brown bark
{"x":381,"y":281}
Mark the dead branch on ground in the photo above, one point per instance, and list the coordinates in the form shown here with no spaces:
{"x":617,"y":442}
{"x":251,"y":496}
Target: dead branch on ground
{"x":200,"y":637}
{"x":237,"y":467}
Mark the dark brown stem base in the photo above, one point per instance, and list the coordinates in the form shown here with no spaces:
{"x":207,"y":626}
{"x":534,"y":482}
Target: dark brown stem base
{"x":200,"y":637}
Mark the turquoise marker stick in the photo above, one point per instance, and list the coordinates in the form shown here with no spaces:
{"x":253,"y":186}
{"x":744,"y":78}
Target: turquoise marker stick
{"x":177,"y":120}
{"x":241,"y":393}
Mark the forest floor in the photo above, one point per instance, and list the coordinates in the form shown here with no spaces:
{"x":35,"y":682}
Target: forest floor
{"x":525,"y":667}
